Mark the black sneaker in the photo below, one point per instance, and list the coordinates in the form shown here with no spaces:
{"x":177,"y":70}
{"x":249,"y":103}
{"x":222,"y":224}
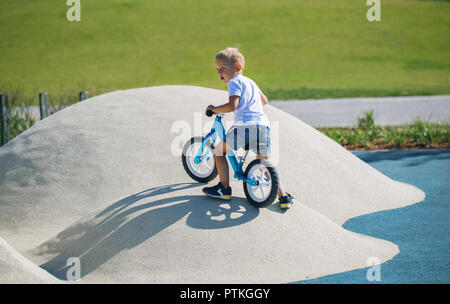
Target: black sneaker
{"x":218,"y":191}
{"x":286,"y":202}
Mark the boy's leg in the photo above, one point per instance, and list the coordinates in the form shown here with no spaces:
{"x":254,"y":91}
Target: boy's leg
{"x":281,"y":192}
{"x":222,"y":190}
{"x":220,"y":157}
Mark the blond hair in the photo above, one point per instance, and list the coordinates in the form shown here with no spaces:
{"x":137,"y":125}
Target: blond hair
{"x":231,"y":56}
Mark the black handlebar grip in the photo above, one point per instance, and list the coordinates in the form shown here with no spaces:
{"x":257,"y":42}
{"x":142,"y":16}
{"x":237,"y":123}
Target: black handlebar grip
{"x":209,"y":113}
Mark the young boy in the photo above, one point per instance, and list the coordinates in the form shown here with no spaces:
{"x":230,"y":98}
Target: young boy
{"x":246,"y":101}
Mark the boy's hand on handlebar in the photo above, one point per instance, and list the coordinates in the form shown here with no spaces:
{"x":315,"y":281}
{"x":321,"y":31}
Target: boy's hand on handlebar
{"x":211,"y":108}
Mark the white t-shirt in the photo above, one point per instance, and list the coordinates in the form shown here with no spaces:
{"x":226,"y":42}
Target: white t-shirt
{"x":250,"y":108}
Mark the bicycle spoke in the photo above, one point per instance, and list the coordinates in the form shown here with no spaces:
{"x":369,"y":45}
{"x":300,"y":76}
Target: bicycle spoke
{"x":262,"y":172}
{"x":262,"y":190}
{"x":197,"y":169}
{"x":206,"y":164}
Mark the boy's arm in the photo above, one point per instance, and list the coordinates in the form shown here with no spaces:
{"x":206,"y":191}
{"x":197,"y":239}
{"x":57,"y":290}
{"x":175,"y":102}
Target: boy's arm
{"x":264,"y":99}
{"x":228,"y":107}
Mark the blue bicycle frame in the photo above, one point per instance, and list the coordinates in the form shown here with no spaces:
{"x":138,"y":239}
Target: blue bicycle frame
{"x":219,"y":130}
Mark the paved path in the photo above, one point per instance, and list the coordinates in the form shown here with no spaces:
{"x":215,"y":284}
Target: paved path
{"x":387,"y":110}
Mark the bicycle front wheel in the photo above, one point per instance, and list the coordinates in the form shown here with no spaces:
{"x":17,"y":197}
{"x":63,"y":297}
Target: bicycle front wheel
{"x":264,"y":173}
{"x":205,"y":170}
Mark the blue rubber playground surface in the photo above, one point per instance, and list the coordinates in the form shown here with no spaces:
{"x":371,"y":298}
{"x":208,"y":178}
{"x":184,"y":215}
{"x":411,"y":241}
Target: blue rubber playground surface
{"x":422,"y":230}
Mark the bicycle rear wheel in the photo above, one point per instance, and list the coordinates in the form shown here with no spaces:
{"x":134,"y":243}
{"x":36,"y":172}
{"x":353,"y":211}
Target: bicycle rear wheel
{"x":265,"y":174}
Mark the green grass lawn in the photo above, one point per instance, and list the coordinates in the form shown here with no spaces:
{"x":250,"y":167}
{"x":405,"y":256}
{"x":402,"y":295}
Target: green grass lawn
{"x":293,"y":49}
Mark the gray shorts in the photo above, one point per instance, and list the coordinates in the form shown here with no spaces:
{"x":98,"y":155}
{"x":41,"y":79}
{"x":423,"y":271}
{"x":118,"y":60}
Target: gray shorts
{"x":252,"y":137}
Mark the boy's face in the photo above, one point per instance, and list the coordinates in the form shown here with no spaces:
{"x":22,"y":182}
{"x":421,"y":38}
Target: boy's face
{"x":226,"y":71}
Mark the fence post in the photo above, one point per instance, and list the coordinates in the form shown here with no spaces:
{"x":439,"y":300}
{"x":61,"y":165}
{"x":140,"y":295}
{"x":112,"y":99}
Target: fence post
{"x":40,"y":104}
{"x":2,"y":126}
{"x":41,"y":110}
{"x":85,"y":93}
{"x":7,"y":117}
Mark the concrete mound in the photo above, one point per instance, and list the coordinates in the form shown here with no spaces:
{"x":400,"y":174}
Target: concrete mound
{"x":102,"y":181}
{"x":16,"y":269}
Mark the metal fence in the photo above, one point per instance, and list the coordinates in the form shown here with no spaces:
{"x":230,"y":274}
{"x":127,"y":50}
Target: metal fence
{"x":4,"y":118}
{"x":43,"y":109}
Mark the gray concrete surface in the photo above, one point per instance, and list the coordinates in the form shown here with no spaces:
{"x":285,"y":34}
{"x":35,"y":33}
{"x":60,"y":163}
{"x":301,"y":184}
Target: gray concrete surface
{"x":342,"y":112}
{"x":16,"y":269}
{"x":102,"y":181}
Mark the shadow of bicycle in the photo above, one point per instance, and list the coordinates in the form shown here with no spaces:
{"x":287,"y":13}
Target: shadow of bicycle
{"x":133,"y":220}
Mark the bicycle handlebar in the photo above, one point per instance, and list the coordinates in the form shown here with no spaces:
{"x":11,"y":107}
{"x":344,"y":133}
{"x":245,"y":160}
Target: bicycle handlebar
{"x":210,"y":113}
